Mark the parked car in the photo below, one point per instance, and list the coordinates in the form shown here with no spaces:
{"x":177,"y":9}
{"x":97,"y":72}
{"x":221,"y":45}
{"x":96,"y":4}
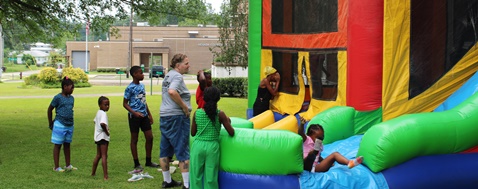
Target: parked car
{"x":156,"y":71}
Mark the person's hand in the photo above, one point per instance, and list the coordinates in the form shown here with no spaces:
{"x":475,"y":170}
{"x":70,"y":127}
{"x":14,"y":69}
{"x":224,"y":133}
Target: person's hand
{"x":137,"y":114}
{"x":50,"y":126}
{"x":151,"y":121}
{"x":302,"y":120}
{"x":186,"y":112}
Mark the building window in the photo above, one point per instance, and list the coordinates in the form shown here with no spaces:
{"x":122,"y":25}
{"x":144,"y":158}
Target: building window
{"x":286,"y":64}
{"x":304,"y":16}
{"x":441,"y":33}
{"x":324,"y":75}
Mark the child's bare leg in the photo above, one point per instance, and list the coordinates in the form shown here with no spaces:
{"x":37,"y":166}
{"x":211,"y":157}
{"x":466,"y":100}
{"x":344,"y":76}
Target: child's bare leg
{"x":339,"y":158}
{"x":66,"y":150}
{"x":104,"y":157}
{"x":96,"y":160}
{"x":148,"y":135}
{"x":56,"y":155}
{"x":325,"y":164}
{"x":133,"y":145}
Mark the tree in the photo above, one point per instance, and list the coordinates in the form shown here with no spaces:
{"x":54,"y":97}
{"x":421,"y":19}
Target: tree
{"x":50,"y":20}
{"x":28,"y":60}
{"x":233,"y":35}
{"x":54,"y":58}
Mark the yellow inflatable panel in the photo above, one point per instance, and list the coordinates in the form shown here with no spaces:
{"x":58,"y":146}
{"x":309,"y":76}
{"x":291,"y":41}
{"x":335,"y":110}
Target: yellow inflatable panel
{"x":263,"y":120}
{"x":289,"y":123}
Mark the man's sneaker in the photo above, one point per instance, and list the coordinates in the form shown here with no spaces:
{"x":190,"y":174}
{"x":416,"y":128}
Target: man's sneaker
{"x":70,"y":168}
{"x":171,"y":184}
{"x":172,"y":169}
{"x":151,"y":164}
{"x":135,"y":177}
{"x":58,"y":169}
{"x":146,"y":175}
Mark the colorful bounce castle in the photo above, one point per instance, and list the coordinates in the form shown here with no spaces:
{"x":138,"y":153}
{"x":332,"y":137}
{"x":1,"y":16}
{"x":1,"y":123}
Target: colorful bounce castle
{"x":390,"y":80}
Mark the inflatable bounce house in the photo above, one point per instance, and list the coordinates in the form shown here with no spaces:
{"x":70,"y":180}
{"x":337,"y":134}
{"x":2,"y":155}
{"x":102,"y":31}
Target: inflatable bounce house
{"x":390,"y":80}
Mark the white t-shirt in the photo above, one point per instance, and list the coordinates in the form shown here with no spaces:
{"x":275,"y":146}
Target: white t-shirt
{"x":101,"y":117}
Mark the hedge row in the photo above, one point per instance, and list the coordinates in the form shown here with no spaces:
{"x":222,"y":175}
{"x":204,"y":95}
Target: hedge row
{"x":232,"y":86}
{"x":110,"y":69}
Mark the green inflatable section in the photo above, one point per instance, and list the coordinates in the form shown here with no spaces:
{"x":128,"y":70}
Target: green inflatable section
{"x":261,"y":152}
{"x":255,"y":40}
{"x":341,"y":122}
{"x":398,"y":140}
{"x":238,"y":122}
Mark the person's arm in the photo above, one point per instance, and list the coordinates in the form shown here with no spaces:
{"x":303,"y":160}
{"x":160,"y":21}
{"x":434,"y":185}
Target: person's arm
{"x":105,"y":129}
{"x":267,"y":82}
{"x":177,"y":99}
{"x":301,"y":129}
{"x":151,"y":121}
{"x":201,"y":80}
{"x":194,"y":127}
{"x":50,"y":116}
{"x":130,"y":110}
{"x":226,"y":121}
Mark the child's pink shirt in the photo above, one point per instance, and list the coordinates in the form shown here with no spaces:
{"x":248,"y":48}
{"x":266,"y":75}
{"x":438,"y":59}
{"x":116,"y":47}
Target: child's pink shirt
{"x":307,"y":146}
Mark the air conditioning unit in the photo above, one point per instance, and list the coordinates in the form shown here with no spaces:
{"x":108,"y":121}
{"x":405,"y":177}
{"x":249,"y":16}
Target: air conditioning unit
{"x":158,"y":40}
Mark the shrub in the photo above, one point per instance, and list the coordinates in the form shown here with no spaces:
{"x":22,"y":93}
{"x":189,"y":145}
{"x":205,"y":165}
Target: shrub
{"x":32,"y":80}
{"x":232,"y":86}
{"x":50,"y":78}
{"x":49,"y":75}
{"x":77,"y":75}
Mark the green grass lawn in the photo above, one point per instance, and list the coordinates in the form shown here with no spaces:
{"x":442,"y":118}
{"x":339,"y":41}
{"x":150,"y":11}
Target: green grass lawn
{"x":26,"y":151}
{"x":11,"y":67}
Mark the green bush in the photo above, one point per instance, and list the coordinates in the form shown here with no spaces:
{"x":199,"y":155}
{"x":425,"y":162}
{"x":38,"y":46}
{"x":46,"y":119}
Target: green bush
{"x":77,"y":75}
{"x":110,"y":70}
{"x":232,"y":86}
{"x":49,"y":75}
{"x":50,"y":78}
{"x":33,"y":79}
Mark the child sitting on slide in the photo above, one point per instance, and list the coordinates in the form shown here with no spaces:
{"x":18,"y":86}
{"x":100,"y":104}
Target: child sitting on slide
{"x":313,"y":162}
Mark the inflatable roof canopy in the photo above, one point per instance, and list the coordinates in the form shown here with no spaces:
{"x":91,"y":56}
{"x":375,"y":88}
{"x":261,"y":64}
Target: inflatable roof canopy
{"x":396,"y":56}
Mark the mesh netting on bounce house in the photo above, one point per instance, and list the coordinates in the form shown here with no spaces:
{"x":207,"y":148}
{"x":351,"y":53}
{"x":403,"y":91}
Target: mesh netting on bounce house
{"x":390,"y":80}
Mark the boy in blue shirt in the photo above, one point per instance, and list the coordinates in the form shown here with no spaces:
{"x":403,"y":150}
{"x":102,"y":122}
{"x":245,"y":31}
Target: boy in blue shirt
{"x":139,"y":117}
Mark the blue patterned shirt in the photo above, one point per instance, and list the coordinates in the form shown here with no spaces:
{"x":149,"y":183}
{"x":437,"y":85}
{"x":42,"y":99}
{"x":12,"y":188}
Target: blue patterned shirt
{"x":136,"y":96}
{"x":63,"y":109}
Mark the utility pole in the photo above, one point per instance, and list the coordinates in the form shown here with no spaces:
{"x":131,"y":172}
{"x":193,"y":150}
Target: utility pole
{"x":130,"y":37}
{"x":1,"y":51}
{"x":87,"y":31}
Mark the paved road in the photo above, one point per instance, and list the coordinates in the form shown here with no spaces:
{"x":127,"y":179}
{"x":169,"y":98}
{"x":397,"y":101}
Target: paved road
{"x":98,"y":80}
{"x":102,"y":79}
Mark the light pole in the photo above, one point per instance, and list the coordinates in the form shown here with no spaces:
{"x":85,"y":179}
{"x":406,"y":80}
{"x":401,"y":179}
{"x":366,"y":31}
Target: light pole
{"x":87,"y":27}
{"x":1,"y":52}
{"x":130,"y":59}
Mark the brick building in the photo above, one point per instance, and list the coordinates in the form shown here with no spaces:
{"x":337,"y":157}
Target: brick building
{"x":160,"y":43}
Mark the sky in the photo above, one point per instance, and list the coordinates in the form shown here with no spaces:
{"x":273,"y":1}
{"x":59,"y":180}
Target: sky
{"x":216,"y":4}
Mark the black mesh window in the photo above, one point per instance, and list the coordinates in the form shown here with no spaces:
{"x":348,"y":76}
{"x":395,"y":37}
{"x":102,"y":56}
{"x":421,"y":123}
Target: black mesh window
{"x":441,"y":33}
{"x":324,"y":75}
{"x":304,"y":16}
{"x":286,"y":65}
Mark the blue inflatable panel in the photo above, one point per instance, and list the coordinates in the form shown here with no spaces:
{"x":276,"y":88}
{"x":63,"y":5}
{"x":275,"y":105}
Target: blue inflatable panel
{"x":242,"y":181}
{"x":437,"y":171}
{"x":465,"y":91}
{"x":340,"y":176}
